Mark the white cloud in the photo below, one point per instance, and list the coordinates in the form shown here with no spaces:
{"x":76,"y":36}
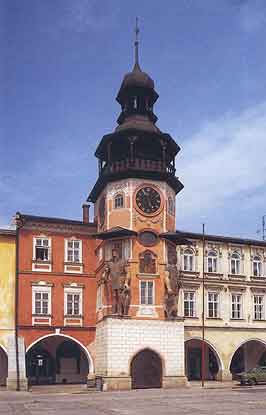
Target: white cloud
{"x":224,"y":165}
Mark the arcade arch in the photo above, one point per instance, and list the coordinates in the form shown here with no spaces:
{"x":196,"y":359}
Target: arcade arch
{"x":193,"y":360}
{"x":249,"y":354}
{"x":3,"y":366}
{"x":57,"y":358}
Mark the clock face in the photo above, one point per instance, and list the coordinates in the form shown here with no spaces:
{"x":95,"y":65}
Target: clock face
{"x":102,"y":210}
{"x":148,"y":200}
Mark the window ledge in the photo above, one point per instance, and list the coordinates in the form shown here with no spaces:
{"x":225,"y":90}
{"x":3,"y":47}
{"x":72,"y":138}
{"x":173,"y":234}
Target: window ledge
{"x":239,"y":276}
{"x":258,"y":320}
{"x":237,"y":319}
{"x":42,"y":315}
{"x":79,"y":316}
{"x":142,"y":275}
{"x":214,"y":318}
{"x":73,"y":263}
{"x":190,"y":272}
{"x":214,"y":274}
{"x":41,"y":261}
{"x":262,"y":278}
{"x":191,"y":318}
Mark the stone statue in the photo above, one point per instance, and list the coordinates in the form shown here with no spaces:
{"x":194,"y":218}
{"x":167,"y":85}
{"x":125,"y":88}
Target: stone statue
{"x":172,"y":287}
{"x":116,"y":273}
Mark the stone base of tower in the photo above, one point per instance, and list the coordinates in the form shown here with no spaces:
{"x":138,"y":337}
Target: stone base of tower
{"x":133,"y":353}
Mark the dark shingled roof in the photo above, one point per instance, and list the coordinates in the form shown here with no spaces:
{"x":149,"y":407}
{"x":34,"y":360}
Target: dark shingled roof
{"x":115,"y":232}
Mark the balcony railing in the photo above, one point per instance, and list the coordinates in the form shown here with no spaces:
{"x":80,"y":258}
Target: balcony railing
{"x":138,"y":164}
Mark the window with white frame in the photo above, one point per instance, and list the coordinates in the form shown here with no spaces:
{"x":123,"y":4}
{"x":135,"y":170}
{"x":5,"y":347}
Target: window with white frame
{"x":258,"y":306}
{"x":41,"y":300}
{"x":188,"y":260}
{"x":235,"y":263}
{"x":213,"y":305}
{"x":212,"y":261}
{"x":121,"y":246}
{"x":236,"y":306}
{"x":41,"y":249}
{"x":73,"y":251}
{"x":119,"y":201}
{"x":189,"y":304}
{"x":257,"y":266}
{"x":73,"y":302}
{"x":171,"y":206}
{"x":146,"y":292}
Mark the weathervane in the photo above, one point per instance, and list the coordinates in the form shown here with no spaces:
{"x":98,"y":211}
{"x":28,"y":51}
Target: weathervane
{"x":136,"y":43}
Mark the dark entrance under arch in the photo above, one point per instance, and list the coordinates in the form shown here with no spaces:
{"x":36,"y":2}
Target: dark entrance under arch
{"x":146,"y":370}
{"x":3,"y":367}
{"x":249,"y":355}
{"x":193,"y":359}
{"x":56,"y":360}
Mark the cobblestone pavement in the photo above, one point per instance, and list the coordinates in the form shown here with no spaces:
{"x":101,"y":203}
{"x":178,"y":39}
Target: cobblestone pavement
{"x":194,"y":400}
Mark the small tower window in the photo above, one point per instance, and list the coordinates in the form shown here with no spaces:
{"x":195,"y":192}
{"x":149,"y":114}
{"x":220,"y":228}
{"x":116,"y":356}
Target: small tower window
{"x":135,"y":103}
{"x":171,"y":206}
{"x":119,"y":201}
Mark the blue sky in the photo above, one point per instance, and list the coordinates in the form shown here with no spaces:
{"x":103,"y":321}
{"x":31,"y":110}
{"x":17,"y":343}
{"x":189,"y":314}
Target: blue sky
{"x":62,"y":64}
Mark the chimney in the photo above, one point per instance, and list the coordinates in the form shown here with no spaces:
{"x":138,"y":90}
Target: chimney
{"x":86,"y":213}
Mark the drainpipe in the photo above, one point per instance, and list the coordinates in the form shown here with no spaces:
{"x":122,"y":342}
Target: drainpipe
{"x":18,"y":226}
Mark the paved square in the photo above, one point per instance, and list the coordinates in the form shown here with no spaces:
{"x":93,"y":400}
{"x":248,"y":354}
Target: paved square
{"x":194,"y":400}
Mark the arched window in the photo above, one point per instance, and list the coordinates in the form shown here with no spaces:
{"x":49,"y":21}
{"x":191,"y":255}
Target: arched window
{"x":119,"y":201}
{"x":147,"y":263}
{"x":212,"y":261}
{"x":257,"y":266}
{"x":171,"y":206}
{"x":235,"y":263}
{"x":188,"y":260}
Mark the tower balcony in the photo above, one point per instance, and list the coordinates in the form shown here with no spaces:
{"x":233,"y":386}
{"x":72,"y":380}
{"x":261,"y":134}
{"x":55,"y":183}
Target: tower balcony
{"x":136,"y":164}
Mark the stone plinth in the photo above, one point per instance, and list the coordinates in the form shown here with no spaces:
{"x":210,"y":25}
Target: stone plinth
{"x":118,"y":340}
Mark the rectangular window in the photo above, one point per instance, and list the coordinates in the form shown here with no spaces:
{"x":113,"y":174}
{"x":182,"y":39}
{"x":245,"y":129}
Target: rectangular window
{"x":258,"y":303}
{"x":73,"y":304}
{"x":42,"y":249}
{"x":213,"y":305}
{"x":212,"y":264}
{"x":74,"y":251}
{"x":146,"y":293}
{"x":41,"y":302}
{"x":236,"y":306}
{"x":189,"y":304}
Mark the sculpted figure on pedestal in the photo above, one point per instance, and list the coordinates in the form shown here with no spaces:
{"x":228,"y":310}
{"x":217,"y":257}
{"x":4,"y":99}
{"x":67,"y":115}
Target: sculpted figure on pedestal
{"x":116,"y":274}
{"x":172,"y":284}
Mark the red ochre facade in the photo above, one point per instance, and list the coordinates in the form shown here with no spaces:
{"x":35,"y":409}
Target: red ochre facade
{"x":57,"y":279}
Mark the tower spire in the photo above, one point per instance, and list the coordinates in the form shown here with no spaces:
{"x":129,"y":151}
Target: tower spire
{"x":136,"y":44}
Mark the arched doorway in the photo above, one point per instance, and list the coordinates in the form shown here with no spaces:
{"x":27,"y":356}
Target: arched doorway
{"x":3,"y":367}
{"x":249,"y":355}
{"x":193,"y":361}
{"x":57,"y":359}
{"x":146,"y":370}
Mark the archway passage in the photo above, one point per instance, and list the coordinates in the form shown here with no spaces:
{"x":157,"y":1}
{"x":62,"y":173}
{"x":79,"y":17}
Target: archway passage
{"x":247,"y":356}
{"x":146,"y":370}
{"x":3,"y":367}
{"x":193,"y":361}
{"x":56,"y":359}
